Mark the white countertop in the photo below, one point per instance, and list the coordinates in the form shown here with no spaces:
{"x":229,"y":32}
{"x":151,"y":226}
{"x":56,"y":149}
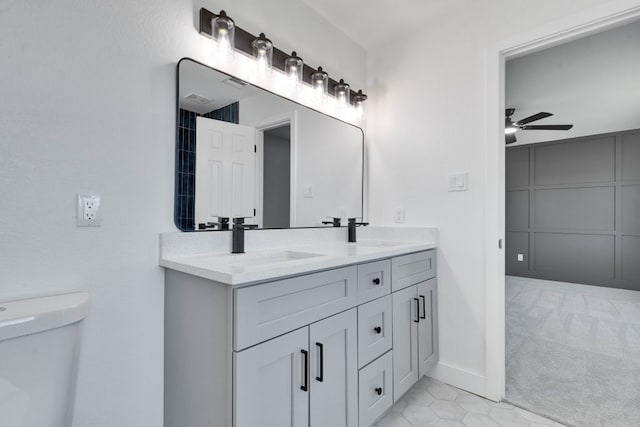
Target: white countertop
{"x":274,"y":254}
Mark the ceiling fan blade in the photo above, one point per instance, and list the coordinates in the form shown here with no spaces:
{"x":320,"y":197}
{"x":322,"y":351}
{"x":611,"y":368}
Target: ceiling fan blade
{"x":547,"y":127}
{"x":510,"y":138}
{"x":509,"y":112}
{"x":533,"y":118}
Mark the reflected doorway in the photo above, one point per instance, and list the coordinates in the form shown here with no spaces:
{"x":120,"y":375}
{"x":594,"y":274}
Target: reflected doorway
{"x":276,"y":177}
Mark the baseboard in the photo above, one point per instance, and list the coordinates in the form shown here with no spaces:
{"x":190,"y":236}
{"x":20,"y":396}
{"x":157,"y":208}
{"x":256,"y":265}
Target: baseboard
{"x":460,"y":378}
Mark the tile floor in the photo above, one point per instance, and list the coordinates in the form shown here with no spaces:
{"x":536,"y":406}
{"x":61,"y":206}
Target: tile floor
{"x":430,"y":403}
{"x":573,"y":352}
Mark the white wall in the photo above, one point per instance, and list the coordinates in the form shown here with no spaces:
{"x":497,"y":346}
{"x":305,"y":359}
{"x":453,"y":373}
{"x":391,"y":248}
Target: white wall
{"x":328,"y":157}
{"x":591,"y":83}
{"x":427,"y":119}
{"x":87,"y":92}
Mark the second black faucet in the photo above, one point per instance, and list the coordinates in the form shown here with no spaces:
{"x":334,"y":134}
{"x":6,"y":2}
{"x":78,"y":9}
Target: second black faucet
{"x":237,"y":236}
{"x":352,"y":229}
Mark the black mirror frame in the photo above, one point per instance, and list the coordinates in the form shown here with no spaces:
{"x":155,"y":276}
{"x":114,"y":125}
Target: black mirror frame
{"x":176,"y":213}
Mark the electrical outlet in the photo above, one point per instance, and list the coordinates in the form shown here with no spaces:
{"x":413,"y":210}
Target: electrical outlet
{"x":398,"y":215}
{"x":342,"y":213}
{"x":520,"y":258}
{"x":307,"y":191}
{"x":88,"y":211}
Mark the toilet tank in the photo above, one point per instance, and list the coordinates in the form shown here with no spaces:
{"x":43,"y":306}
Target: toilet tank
{"x":39,"y":346}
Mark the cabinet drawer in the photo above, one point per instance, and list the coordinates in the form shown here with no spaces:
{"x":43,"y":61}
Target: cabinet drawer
{"x":271,"y":309}
{"x":375,"y":390}
{"x":410,"y":269}
{"x":374,"y":280}
{"x":374,"y":329}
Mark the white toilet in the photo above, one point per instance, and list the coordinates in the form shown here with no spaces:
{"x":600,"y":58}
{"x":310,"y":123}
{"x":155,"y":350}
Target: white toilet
{"x":39,"y":345}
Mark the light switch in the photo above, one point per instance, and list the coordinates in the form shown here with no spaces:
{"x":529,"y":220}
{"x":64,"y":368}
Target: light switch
{"x":398,"y":215}
{"x":520,"y":257}
{"x":458,"y":182}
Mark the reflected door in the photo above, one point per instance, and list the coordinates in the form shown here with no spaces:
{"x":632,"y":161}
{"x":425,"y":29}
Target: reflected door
{"x":225,"y":170}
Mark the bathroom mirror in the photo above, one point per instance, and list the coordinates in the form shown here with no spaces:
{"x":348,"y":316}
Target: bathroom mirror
{"x":242,"y":151}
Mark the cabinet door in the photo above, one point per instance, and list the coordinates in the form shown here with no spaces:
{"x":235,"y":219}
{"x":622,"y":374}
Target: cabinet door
{"x":405,"y":340}
{"x":334,"y":371}
{"x":428,"y":326}
{"x":269,"y":380}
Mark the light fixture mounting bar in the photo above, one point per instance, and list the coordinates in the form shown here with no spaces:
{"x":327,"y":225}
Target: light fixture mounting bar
{"x":243,"y":41}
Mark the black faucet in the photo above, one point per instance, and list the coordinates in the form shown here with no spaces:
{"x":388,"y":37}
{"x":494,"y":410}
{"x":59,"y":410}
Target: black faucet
{"x":237,"y":237}
{"x":335,"y":221}
{"x":352,"y":229}
{"x":222,"y":224}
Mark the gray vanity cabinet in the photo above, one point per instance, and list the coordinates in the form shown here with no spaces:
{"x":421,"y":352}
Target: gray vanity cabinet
{"x":268,"y":381}
{"x":428,"y":326}
{"x":330,"y":348}
{"x":415,"y":336}
{"x":307,"y":377}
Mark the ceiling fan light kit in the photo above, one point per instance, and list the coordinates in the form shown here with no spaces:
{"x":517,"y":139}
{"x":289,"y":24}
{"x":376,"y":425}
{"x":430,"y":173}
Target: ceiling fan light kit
{"x":511,"y":127}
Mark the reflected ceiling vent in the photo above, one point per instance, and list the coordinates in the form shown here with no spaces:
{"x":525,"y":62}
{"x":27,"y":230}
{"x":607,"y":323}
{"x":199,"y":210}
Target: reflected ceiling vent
{"x":237,"y":83}
{"x":198,"y":98}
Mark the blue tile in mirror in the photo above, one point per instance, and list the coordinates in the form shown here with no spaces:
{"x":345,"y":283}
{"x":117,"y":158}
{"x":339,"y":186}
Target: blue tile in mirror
{"x":186,"y":160}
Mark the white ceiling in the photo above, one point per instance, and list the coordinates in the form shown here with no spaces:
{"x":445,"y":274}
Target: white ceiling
{"x":591,"y":83}
{"x":209,"y":84}
{"x":369,"y":22}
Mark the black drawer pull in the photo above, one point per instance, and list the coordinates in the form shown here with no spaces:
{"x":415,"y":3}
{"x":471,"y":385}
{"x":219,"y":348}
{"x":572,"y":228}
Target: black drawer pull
{"x":424,"y":307}
{"x":379,"y":391}
{"x":320,"y":378}
{"x":305,"y":364}
{"x":417,"y":319}
{"x":378,"y":329}
{"x":376,"y":281}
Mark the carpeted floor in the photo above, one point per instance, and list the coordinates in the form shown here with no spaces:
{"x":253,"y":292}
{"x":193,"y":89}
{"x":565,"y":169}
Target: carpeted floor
{"x":573,"y":352}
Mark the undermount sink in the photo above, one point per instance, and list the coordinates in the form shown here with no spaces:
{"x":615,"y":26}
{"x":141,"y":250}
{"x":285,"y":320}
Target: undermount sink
{"x":260,"y":258}
{"x":377,"y":243}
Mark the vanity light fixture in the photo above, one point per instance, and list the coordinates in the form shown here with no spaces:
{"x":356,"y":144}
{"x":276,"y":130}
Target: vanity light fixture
{"x":358,"y":104}
{"x":227,"y":38}
{"x":320,"y":85}
{"x":223,"y":31}
{"x":342,"y":93}
{"x":263,"y":54}
{"x":293,"y":66}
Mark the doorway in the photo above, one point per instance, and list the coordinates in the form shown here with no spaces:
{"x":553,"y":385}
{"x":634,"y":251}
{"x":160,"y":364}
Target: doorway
{"x":276,"y":177}
{"x":606,"y":16}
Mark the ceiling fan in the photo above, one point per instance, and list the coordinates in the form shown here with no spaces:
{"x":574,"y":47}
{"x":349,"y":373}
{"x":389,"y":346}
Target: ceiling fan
{"x":510,"y":127}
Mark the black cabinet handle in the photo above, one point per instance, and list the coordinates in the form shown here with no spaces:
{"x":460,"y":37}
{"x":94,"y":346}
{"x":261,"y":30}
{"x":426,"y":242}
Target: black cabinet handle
{"x":424,"y":307}
{"x":417,"y":319}
{"x":305,"y":364}
{"x":320,"y":377}
{"x":376,"y":281}
{"x":378,"y":329}
{"x":378,"y":391}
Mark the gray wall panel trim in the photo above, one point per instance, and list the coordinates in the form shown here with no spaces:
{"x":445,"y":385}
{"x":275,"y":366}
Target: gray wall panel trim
{"x":630,"y":265}
{"x":515,"y":242}
{"x":575,"y":208}
{"x":610,"y":261}
{"x":591,"y":160}
{"x":630,"y":209}
{"x":517,"y":167}
{"x":518,"y":204}
{"x":576,"y":257}
{"x":630,"y":156}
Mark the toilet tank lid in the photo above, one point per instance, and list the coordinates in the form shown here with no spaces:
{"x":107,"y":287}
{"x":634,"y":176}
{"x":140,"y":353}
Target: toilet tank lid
{"x":28,"y":316}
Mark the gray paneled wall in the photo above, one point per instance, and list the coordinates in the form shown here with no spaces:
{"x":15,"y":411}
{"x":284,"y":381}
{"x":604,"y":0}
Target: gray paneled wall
{"x":573,"y":210}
